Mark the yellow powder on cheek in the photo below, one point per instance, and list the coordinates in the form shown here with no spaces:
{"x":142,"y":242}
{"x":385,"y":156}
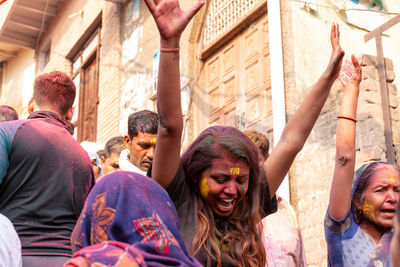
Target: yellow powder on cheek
{"x":368,"y":210}
{"x":204,"y":187}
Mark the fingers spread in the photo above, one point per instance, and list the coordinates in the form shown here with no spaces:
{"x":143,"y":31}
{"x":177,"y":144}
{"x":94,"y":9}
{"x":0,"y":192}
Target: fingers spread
{"x":355,"y":61}
{"x":337,"y":32}
{"x":333,"y":34}
{"x":150,"y":6}
{"x":191,"y":12}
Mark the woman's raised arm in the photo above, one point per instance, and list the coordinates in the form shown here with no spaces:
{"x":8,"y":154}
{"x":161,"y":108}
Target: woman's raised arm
{"x":171,"y":22}
{"x":340,"y":197}
{"x":300,"y":125}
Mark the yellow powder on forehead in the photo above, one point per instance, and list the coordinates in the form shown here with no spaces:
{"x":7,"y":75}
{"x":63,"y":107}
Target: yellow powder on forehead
{"x":234,"y":171}
{"x":204,"y":187}
{"x":393,"y":180}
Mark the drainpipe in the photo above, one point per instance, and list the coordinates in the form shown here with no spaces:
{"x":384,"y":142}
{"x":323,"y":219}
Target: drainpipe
{"x":277,"y":81}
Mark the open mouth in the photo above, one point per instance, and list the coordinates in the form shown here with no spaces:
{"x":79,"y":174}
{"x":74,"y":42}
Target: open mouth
{"x":225,"y":204}
{"x":388,"y":212}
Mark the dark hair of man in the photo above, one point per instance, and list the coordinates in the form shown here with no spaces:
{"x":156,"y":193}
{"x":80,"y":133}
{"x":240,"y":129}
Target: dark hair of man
{"x":101,"y":153}
{"x":145,"y":121}
{"x":242,"y":230}
{"x":260,"y":140}
{"x":55,"y":89}
{"x":114,"y":145}
{"x":7,"y":113}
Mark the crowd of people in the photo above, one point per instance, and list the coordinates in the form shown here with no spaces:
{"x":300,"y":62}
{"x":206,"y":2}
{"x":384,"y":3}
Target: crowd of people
{"x":137,"y":201}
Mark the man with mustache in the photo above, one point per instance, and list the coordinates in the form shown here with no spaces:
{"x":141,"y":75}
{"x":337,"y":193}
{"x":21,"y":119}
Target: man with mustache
{"x":140,"y":142}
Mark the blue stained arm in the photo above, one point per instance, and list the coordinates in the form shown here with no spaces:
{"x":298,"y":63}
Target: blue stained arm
{"x":7,"y":133}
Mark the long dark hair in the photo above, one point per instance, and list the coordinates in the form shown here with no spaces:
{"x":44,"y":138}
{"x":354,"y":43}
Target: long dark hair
{"x":238,"y":236}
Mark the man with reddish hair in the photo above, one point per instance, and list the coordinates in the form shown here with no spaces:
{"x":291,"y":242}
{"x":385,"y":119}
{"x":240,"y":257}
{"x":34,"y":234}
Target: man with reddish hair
{"x":45,"y":175}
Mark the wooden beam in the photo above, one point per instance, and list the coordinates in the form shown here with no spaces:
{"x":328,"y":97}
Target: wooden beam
{"x":387,"y":121}
{"x":18,"y":43}
{"x":4,"y":53}
{"x":382,"y":28}
{"x":26,"y":22}
{"x":19,"y":36}
{"x":38,"y":7}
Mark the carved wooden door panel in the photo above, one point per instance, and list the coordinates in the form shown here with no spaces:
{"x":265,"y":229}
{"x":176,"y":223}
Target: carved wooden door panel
{"x":222,"y":86}
{"x":255,"y":86}
{"x":89,"y":100}
{"x":237,"y":90}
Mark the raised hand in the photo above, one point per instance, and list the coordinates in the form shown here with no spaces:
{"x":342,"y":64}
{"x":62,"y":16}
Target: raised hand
{"x":335,"y":63}
{"x":351,"y":71}
{"x":171,"y":20}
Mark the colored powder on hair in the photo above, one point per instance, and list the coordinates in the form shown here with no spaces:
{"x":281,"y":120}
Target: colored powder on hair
{"x":204,"y":187}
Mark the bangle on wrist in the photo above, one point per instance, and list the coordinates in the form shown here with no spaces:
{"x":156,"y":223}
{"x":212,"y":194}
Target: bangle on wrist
{"x":169,"y":50}
{"x":347,"y":118}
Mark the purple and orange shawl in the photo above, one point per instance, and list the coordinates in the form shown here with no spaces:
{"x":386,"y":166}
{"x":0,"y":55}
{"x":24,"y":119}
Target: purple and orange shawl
{"x":136,"y":212}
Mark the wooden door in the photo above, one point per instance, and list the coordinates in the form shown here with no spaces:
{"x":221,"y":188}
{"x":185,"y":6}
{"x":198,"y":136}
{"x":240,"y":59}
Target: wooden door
{"x":255,"y":81}
{"x":89,"y":100}
{"x":237,"y":89}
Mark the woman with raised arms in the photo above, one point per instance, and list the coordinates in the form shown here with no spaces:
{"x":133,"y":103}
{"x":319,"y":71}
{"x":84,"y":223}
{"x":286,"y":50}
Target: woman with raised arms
{"x":216,"y":184}
{"x":359,"y":221}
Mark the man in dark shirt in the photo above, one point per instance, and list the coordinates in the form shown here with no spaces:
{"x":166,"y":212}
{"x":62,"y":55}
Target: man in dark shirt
{"x":45,"y":175}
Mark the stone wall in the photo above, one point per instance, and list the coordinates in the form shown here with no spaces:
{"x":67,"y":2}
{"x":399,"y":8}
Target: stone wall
{"x":312,"y":172}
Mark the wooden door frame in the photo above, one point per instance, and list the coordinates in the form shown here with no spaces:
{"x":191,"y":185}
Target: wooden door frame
{"x":92,"y":58}
{"x":206,"y":53}
{"x":93,"y":55}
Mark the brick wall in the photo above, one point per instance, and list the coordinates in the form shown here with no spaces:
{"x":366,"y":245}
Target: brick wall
{"x":110,"y":75}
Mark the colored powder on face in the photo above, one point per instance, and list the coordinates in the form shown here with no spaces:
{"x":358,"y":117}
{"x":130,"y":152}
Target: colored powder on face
{"x":242,"y":188}
{"x":393,"y":181}
{"x":234,"y":171}
{"x":204,"y":187}
{"x":153,"y":141}
{"x":368,"y":210}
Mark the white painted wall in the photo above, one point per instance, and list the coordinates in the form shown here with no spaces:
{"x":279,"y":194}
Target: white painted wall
{"x":18,"y":78}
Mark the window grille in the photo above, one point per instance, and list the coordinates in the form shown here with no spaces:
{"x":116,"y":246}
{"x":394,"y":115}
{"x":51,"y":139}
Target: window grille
{"x":223,"y":15}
